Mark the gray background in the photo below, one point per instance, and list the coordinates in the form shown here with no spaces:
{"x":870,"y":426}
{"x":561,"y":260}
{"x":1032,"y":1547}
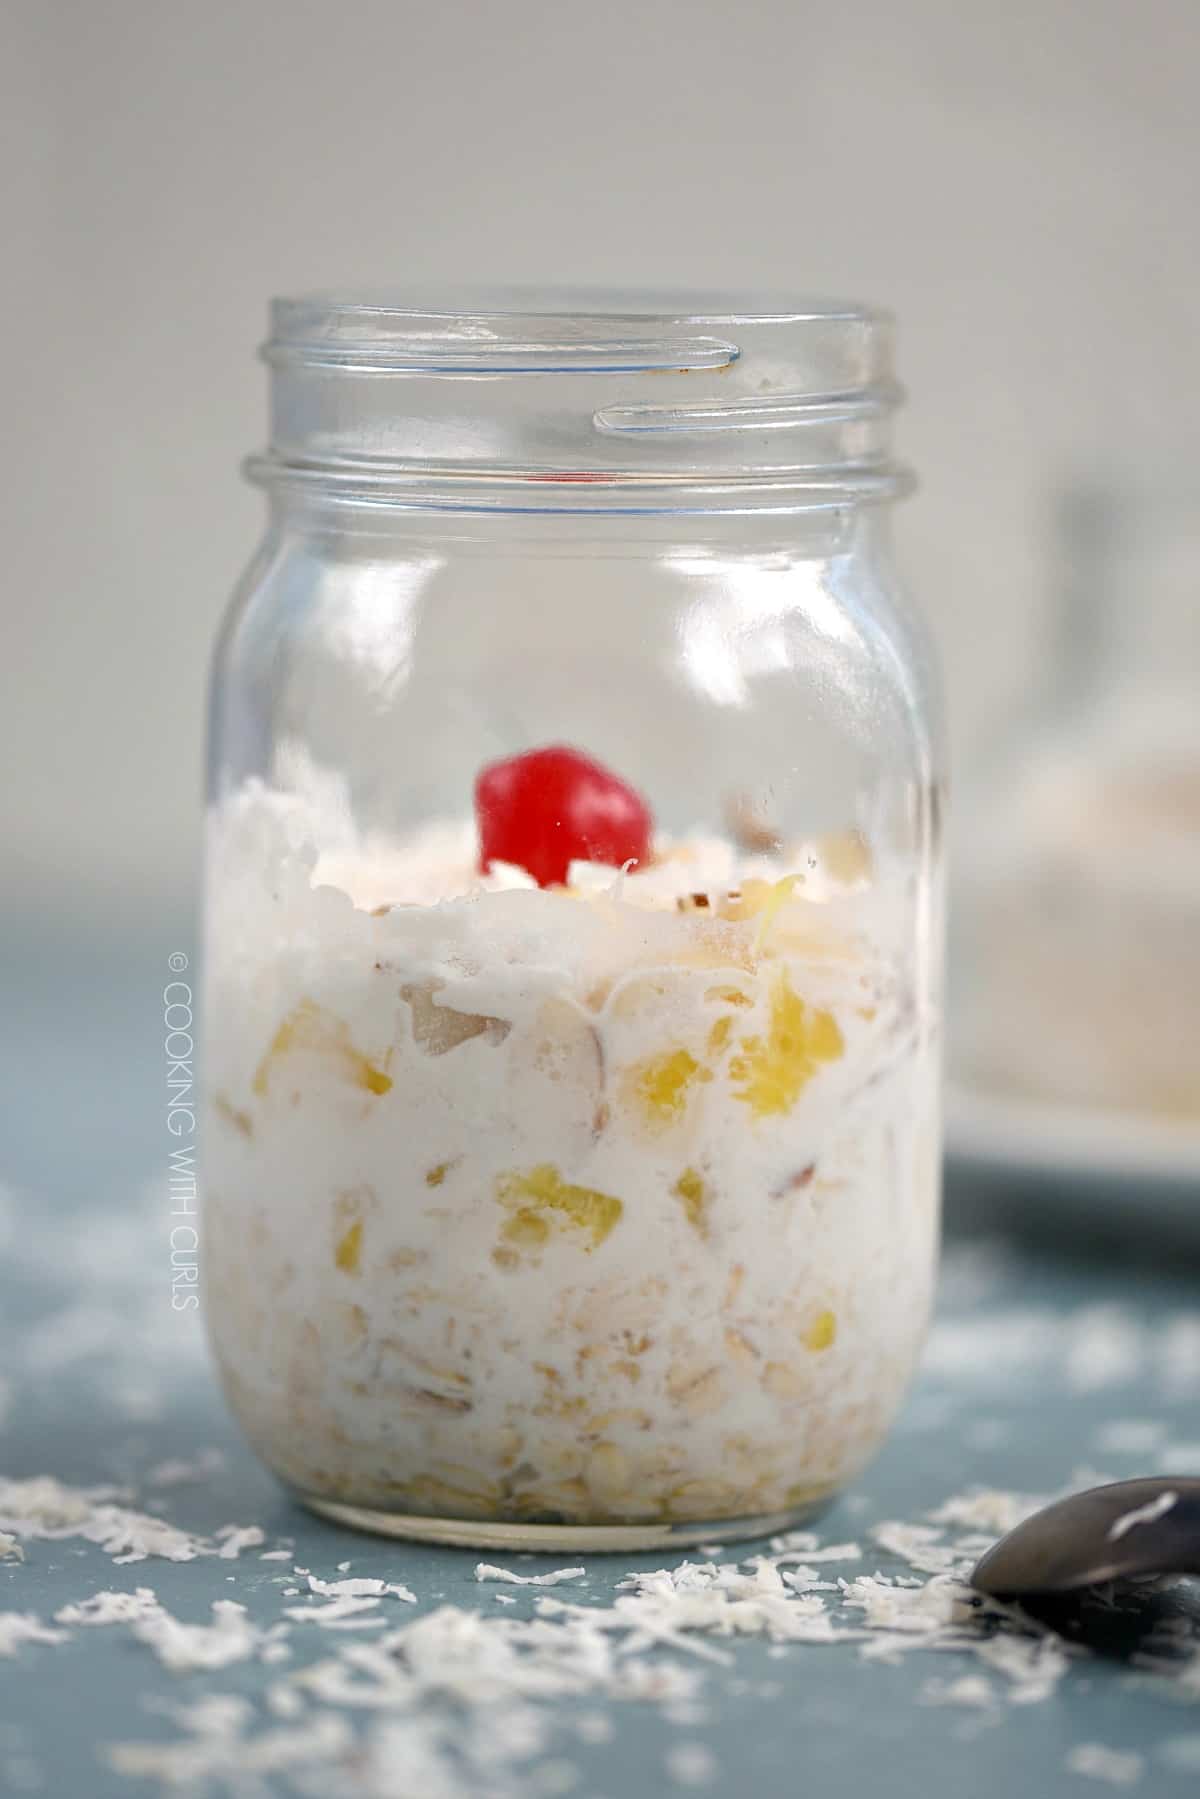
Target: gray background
{"x":1017,"y":182}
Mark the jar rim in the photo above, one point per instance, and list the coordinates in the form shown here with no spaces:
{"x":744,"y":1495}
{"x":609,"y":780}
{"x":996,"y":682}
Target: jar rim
{"x":310,"y":318}
{"x":558,"y":386}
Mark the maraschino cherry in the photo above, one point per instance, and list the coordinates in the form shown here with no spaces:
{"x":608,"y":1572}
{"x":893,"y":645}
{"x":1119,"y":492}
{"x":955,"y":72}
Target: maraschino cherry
{"x":548,"y":808}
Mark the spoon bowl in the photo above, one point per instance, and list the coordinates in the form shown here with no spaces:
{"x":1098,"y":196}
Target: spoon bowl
{"x":1129,"y":1529}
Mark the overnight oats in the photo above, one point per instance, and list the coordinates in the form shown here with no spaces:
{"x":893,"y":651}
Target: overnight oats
{"x":573,"y":927}
{"x":549,"y":1189}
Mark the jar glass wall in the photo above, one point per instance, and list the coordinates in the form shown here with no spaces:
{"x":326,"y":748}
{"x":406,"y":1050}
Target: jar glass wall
{"x":573,"y":925}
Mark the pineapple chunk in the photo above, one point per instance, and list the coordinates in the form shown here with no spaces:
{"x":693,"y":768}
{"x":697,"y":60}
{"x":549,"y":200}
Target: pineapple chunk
{"x":544,"y":1190}
{"x":226,"y":1110}
{"x":526,"y":1229}
{"x":348,"y":1253}
{"x":746,"y":901}
{"x":309,"y":1026}
{"x":772,"y":1072}
{"x":660,"y":1085}
{"x":691,"y":1190}
{"x":822,"y":1331}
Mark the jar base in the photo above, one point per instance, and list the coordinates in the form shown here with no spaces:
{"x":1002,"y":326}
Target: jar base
{"x":555,"y":1539}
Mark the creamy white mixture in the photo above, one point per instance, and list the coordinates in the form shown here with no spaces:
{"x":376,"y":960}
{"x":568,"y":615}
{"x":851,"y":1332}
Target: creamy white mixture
{"x":608,"y":1204}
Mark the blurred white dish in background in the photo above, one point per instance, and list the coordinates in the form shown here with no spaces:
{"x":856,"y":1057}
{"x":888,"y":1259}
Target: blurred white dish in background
{"x":1082,"y":941}
{"x":1076,"y":1020}
{"x":1021,"y":1136}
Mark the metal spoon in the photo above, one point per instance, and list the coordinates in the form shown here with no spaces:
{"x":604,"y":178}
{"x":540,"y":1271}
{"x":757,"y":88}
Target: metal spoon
{"x":1133,"y":1527}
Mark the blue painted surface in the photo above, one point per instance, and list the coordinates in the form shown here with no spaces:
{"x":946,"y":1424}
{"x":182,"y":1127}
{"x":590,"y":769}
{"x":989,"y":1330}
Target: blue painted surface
{"x":83,"y":1146}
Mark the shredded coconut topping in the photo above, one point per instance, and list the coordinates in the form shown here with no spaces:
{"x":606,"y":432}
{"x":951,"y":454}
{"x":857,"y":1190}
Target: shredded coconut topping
{"x":359,"y":1587}
{"x":691,"y":1764}
{"x":1118,"y":1767}
{"x":25,"y":1627}
{"x":340,"y":1614}
{"x":181,"y":1472}
{"x":111,"y":1608}
{"x":186,"y":1647}
{"x":485,"y":1571}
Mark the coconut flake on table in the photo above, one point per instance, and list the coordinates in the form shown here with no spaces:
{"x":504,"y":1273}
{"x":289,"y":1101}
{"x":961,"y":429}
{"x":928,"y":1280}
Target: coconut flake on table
{"x":1107,"y":1348}
{"x":691,"y":1764}
{"x":804,"y":1545}
{"x":472,"y":1657}
{"x":967,"y":1690}
{"x":110,"y":1608}
{"x":1095,"y":1761}
{"x":359,"y":1587}
{"x":41,"y":1505}
{"x":216,"y":1715}
{"x":595,"y":1727}
{"x":179,"y":1471}
{"x":187,"y":1648}
{"x":986,"y":1509}
{"x":941,"y":1604}
{"x":43,"y":1508}
{"x":991,"y":1348}
{"x":363,"y":1675}
{"x":284,"y":1701}
{"x":920,"y":1546}
{"x":117,"y":1338}
{"x":227,"y":1755}
{"x":1092,"y":1349}
{"x":485,"y":1571}
{"x":233,"y":1538}
{"x":338,"y":1614}
{"x":674,"y":1606}
{"x":17,"y":1628}
{"x":1033,"y":1665}
{"x":670,"y":1685}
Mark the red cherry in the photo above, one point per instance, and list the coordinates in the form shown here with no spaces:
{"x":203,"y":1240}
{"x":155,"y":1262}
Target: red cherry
{"x":551,"y":807}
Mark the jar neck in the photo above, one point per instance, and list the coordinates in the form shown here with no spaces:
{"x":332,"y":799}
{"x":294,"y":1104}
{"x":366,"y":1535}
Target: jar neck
{"x":593,"y":409}
{"x":337,"y":525}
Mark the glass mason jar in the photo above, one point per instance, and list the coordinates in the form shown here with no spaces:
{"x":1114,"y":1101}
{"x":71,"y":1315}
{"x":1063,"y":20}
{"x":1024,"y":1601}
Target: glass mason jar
{"x":573,"y":922}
